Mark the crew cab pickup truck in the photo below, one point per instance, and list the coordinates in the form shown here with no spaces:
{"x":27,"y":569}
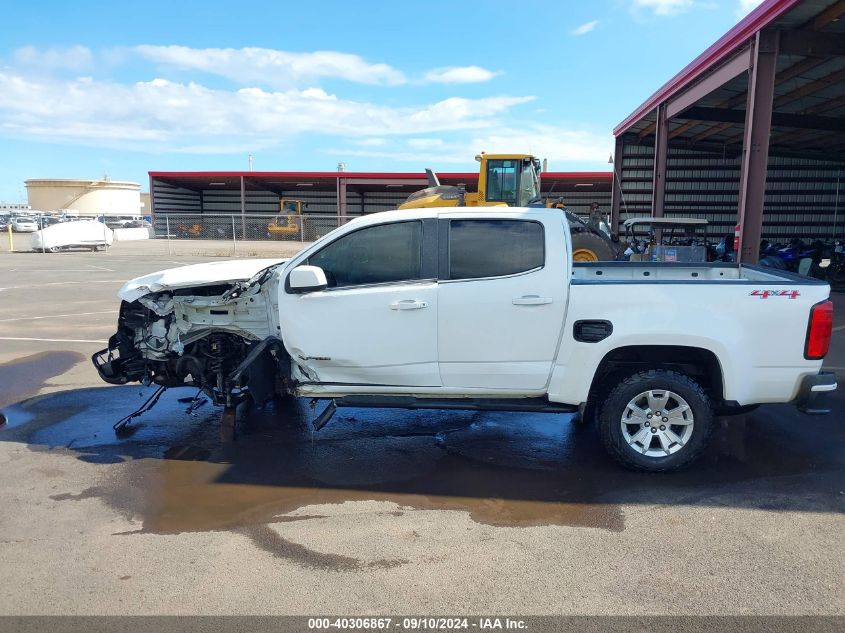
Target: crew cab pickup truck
{"x":484,"y":309}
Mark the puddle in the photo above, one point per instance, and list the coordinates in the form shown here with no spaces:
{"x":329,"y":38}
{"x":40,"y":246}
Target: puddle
{"x":504,"y":470}
{"x":24,"y":377}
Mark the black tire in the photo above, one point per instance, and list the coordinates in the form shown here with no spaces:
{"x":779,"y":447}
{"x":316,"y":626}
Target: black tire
{"x":591,"y":247}
{"x":615,"y":406}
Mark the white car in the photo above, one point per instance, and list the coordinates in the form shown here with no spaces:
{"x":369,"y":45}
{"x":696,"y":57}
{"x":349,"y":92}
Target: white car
{"x":24,"y":225}
{"x":87,"y":234}
{"x":484,"y":309}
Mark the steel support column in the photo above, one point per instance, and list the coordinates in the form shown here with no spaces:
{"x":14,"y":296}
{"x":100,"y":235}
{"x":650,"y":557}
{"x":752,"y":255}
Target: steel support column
{"x":755,"y":144}
{"x":661,"y":148}
{"x":341,"y":201}
{"x":152,"y":202}
{"x":616,"y":186}
{"x":243,"y":209}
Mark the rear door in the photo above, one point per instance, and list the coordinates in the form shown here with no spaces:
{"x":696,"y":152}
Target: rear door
{"x":376,"y":324}
{"x":503,"y":293}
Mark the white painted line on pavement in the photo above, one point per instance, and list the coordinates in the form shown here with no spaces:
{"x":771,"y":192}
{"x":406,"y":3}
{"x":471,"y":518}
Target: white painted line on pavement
{"x":67,"y":283}
{"x":52,"y":340}
{"x":100,"y":268}
{"x":56,"y":316}
{"x":839,"y":327}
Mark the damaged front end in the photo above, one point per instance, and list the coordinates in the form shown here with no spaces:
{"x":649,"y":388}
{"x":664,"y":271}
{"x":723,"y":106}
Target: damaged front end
{"x":222,"y":338}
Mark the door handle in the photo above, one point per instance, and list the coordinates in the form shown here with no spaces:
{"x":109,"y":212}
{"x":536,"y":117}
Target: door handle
{"x":408,"y":304}
{"x":531,"y":300}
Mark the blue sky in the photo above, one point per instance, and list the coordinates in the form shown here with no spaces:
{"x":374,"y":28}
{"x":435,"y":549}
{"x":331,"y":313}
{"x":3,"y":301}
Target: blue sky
{"x":90,"y":88}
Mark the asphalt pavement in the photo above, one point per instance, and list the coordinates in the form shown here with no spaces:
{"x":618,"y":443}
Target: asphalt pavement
{"x":383,"y":511}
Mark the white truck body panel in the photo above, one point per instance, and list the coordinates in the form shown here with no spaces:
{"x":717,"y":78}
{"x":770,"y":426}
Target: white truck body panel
{"x":502,"y":333}
{"x":194,"y":276}
{"x":375,"y":342}
{"x":508,"y":336}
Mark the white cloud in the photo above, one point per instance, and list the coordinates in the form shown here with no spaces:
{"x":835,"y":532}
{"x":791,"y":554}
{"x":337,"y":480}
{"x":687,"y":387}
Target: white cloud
{"x":560,"y":145}
{"x":425,"y":143}
{"x":459,"y":75}
{"x":585,"y":28}
{"x":747,"y":6}
{"x":662,"y":8}
{"x":269,"y":67}
{"x":372,"y":142}
{"x":72,"y":57}
{"x":166,"y":115}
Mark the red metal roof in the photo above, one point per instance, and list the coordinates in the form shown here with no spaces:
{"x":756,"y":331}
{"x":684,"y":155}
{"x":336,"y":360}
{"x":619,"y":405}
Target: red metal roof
{"x":758,"y":19}
{"x":310,"y":175}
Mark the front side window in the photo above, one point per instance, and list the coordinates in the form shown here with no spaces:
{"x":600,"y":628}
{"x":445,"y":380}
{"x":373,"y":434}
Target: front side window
{"x":493,"y":248}
{"x":376,"y":254}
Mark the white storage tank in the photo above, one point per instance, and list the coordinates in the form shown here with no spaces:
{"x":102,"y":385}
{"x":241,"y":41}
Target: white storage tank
{"x":89,"y":197}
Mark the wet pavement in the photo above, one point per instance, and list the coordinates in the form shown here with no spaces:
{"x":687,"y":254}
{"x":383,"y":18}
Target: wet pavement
{"x":459,"y":510}
{"x":511,"y":470}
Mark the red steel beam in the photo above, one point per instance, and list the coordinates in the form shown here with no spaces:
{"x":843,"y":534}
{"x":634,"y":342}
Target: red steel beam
{"x":755,"y":145}
{"x":661,"y":149}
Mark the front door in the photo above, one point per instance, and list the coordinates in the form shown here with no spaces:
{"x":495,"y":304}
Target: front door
{"x":376,"y":323}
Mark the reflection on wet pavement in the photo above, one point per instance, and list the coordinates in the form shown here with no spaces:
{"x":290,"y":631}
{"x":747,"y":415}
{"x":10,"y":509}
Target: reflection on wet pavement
{"x":503,"y":469}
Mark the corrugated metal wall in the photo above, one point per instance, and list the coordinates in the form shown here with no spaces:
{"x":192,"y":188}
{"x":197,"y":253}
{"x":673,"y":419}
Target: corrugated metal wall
{"x":802,"y":197}
{"x":170,"y":199}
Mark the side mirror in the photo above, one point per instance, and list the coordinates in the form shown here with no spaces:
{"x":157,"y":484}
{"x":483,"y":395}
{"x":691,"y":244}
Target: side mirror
{"x":307,"y":279}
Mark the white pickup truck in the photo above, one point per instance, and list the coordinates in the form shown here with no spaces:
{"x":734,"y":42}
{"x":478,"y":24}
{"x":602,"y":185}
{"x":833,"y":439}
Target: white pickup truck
{"x":484,"y":309}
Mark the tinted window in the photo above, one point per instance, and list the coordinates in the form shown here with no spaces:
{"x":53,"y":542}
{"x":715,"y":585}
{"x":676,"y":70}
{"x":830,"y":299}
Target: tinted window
{"x":491,"y":248}
{"x":378,"y":254}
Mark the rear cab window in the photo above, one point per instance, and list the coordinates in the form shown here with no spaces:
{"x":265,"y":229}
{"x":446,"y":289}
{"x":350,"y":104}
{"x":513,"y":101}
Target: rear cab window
{"x":494,"y":248}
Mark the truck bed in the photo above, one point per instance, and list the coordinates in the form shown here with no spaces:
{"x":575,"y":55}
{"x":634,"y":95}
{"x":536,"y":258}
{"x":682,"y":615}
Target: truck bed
{"x":651,"y":272}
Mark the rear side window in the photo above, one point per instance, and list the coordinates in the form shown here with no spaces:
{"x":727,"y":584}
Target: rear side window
{"x":493,"y":248}
{"x":376,"y":254}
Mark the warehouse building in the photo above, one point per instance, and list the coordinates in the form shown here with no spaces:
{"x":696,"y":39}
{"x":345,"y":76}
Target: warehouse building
{"x":751,"y":132}
{"x":337,"y":195}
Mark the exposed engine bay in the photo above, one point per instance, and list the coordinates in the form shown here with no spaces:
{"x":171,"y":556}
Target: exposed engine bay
{"x":222,"y":338}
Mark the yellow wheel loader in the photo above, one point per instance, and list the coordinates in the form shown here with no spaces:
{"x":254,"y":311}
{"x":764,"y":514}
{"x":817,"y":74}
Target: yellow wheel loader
{"x":287,"y":223}
{"x":513,"y":180}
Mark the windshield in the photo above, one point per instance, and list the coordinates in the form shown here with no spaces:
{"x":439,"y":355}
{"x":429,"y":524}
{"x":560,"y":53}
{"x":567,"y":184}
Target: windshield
{"x":515,"y":182}
{"x":529,"y":182}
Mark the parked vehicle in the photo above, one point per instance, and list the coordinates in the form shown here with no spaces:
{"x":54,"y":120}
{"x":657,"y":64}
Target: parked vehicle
{"x":288,"y":222}
{"x":653,"y":239}
{"x":23,"y":224}
{"x":484,"y":309}
{"x":835,"y":272}
{"x":87,"y":234}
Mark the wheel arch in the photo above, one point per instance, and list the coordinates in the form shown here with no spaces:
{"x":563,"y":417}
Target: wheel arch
{"x":698,"y":363}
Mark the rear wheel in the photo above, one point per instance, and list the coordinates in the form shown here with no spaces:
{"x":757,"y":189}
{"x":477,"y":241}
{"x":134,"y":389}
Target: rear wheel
{"x":656,"y":421}
{"x":589,"y":247}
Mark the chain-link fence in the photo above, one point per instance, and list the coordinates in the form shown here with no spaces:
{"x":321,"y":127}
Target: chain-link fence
{"x":194,"y":233}
{"x":248,"y":227}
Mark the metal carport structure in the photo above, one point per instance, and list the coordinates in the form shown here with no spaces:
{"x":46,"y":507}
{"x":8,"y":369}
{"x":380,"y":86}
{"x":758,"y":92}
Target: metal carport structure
{"x":766,"y":99}
{"x":339,"y":194}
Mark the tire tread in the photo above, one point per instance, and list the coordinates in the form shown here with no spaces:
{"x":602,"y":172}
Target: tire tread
{"x":620,"y":451}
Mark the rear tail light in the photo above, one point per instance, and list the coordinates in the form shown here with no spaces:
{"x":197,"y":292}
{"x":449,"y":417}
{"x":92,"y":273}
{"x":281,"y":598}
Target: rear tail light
{"x":819,"y":331}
